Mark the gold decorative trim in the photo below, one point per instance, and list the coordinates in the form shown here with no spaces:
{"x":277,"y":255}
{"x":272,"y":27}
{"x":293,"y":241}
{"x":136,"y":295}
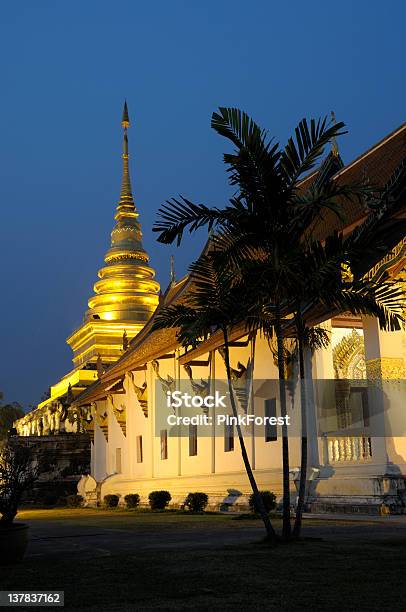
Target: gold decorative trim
{"x":87,"y":414}
{"x":141,"y":393}
{"x":394,"y":255}
{"x":386,"y":367}
{"x":120,"y":414}
{"x":103,"y":422}
{"x":349,"y":357}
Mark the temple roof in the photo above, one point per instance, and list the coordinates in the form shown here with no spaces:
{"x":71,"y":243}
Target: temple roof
{"x":378,"y":163}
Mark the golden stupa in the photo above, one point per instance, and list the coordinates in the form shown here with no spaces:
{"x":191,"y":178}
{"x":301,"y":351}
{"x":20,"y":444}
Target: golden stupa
{"x":124,"y":299}
{"x":126,"y":294}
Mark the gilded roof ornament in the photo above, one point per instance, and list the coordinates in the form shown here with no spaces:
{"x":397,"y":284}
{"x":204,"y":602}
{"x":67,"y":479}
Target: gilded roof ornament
{"x":125,"y":121}
{"x":334,"y":145}
{"x":172,"y":272}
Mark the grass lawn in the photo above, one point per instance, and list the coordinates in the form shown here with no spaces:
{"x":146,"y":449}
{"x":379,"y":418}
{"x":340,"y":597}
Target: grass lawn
{"x":318,"y":575}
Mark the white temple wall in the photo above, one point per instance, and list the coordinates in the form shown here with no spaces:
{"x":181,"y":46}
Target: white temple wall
{"x":101,"y":468}
{"x":211,"y":454}
{"x":118,"y":459}
{"x":137,"y":425}
{"x":217,"y":471}
{"x":200,"y":463}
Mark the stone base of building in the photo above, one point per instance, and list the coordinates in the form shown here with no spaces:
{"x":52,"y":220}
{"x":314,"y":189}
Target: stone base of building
{"x":63,"y":458}
{"x":229,"y":492}
{"x":373,"y":507}
{"x":360,"y":494}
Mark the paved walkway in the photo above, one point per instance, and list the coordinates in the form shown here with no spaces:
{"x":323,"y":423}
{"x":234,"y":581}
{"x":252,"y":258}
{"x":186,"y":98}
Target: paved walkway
{"x":366,"y":518}
{"x":103,"y":534}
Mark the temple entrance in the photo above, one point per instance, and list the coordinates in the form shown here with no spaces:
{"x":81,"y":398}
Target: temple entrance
{"x":351,"y":440}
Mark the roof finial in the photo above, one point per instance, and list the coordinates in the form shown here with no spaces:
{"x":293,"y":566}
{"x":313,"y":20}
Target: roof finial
{"x":172,"y":274}
{"x":125,"y":121}
{"x":69,"y":395}
{"x":99,"y":366}
{"x":125,"y":341}
{"x":334,"y":146}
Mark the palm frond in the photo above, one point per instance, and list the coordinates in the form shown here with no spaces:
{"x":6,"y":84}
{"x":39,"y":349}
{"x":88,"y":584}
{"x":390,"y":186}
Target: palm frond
{"x":196,"y":332}
{"x":175,"y":315}
{"x":237,"y":126}
{"x":384,"y":301}
{"x":254,"y":165}
{"x":301,"y":155}
{"x":177,"y":214}
{"x":380,"y":231}
{"x":215,"y":300}
{"x":214,"y":288}
{"x":310,"y":206}
{"x":261,"y":321}
{"x":316,"y":338}
{"x":236,"y":249}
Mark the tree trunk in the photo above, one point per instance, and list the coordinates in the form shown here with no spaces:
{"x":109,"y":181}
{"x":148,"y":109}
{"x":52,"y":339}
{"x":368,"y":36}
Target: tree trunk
{"x":286,"y":529}
{"x":271,"y":535}
{"x":303,"y":459}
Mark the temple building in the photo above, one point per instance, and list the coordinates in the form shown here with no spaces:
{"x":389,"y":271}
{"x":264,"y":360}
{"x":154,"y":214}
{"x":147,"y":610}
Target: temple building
{"x":124,"y":299}
{"x":355,"y":421}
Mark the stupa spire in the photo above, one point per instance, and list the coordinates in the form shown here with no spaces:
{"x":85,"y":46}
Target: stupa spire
{"x":126,"y":294}
{"x":126,"y":196}
{"x":125,"y":121}
{"x":126,"y":291}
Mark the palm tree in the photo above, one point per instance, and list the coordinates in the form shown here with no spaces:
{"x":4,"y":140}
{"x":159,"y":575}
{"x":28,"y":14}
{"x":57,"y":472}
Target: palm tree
{"x":330,"y":285}
{"x":213,"y":303}
{"x":270,"y":214}
{"x":325,"y":285}
{"x":313,"y":339}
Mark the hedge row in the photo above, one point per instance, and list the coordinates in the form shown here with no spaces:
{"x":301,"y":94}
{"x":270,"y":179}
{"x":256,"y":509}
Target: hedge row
{"x":158,"y":500}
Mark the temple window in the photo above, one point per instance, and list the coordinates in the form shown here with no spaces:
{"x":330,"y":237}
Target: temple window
{"x":228,"y":437}
{"x":139,"y":449}
{"x":271,"y":433}
{"x":192,"y":440}
{"x":350,"y":370}
{"x":164,"y":444}
{"x":118,"y":460}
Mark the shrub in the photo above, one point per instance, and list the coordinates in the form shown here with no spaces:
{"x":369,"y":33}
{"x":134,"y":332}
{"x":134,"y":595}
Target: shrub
{"x":17,"y":475}
{"x":132,"y":500}
{"x":74,"y":501}
{"x":158,"y":500}
{"x":196,"y":502}
{"x":111,"y":501}
{"x":268,"y":498}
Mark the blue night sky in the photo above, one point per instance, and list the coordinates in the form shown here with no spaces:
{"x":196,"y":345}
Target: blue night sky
{"x":66,"y":69}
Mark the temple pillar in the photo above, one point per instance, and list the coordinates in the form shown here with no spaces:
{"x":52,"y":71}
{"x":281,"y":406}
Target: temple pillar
{"x":385,"y":352}
{"x":385,"y":356}
{"x":213,"y":355}
{"x":313,"y":458}
{"x":321,"y":370}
